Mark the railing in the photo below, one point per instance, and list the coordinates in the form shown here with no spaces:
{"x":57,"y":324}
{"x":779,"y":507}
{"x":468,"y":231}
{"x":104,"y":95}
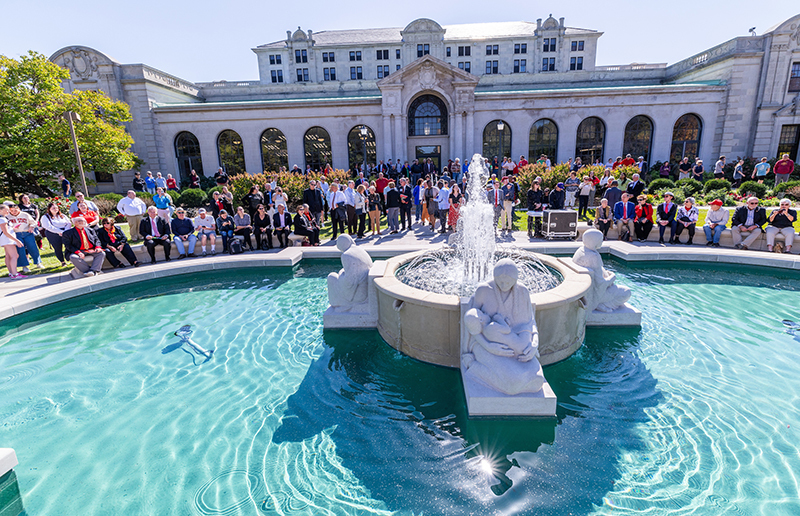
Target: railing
{"x":228,"y":84}
{"x":723,"y":50}
{"x":632,"y":66}
{"x":169,"y":80}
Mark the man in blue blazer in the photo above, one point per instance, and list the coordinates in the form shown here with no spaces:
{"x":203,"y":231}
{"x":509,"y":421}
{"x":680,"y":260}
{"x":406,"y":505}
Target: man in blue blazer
{"x":624,"y":215}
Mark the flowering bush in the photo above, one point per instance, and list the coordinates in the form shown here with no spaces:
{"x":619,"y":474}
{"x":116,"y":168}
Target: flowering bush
{"x":291,"y":184}
{"x":62,"y":202}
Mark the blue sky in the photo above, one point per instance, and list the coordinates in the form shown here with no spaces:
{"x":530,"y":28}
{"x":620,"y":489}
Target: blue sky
{"x":205,"y":41}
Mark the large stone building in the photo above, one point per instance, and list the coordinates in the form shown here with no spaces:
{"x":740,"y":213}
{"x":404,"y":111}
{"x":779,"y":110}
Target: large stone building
{"x":426,"y":90}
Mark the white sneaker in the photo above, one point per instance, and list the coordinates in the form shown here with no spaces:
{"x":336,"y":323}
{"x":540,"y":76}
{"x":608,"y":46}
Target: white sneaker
{"x":26,"y":270}
{"x":40,"y":265}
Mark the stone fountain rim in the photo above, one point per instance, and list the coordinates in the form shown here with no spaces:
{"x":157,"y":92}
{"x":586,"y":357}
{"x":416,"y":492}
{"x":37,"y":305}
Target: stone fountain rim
{"x":574,"y":285}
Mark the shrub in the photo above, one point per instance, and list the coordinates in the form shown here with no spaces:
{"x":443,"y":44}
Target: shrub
{"x":108,"y":196}
{"x":691,"y":187}
{"x":753,"y":188}
{"x":550,"y":177}
{"x":106,"y":207}
{"x":786,"y":186}
{"x":717,"y":184}
{"x":680,"y":196}
{"x":660,"y":184}
{"x":793,"y":192}
{"x":720,"y":194}
{"x":207,"y":182}
{"x":192,"y":198}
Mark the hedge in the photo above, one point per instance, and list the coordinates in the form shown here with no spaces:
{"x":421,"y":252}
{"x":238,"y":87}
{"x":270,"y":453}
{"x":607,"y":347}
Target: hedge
{"x":660,"y":184}
{"x":192,"y":198}
{"x":753,"y":188}
{"x":716,"y":184}
{"x":691,"y":187}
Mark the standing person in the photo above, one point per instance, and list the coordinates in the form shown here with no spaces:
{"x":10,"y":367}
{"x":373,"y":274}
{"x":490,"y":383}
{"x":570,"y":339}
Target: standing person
{"x":81,"y":242}
{"x":406,"y":199}
{"x":194,"y":179}
{"x":54,"y":224}
{"x":155,"y":231}
{"x":644,"y":218}
{"x":507,"y":192}
{"x":262,"y":228}
{"x":783,"y":169}
{"x":243,"y":227}
{"x":172,"y":184}
{"x":698,"y":170}
{"x":719,"y":166}
{"x":684,"y":169}
{"x":162,"y":201}
{"x":555,"y":201}
{"x":183,"y":229}
{"x":612,"y":193}
{"x":219,"y":203}
{"x":666,"y":213}
{"x":571,"y":185}
{"x":350,"y":206}
{"x":304,"y":224}
{"x":429,"y":169}
{"x":313,"y":197}
{"x":374,"y":209}
{"x":282,"y":226}
{"x":443,"y":204}
{"x":584,"y":191}
{"x":738,"y":173}
{"x":160,"y":182}
{"x":687,"y":219}
{"x":9,"y":242}
{"x":23,"y":225}
{"x":150,"y":183}
{"x":226,"y":227}
{"x":113,"y":240}
{"x":761,"y":170}
{"x":629,"y":161}
{"x":716,"y":220}
{"x":361,"y":210}
{"x":138,"y":183}
{"x":133,"y":209}
{"x":206,"y":230}
{"x":536,"y":202}
{"x":336,"y":201}
{"x":90,"y":216}
{"x":392,"y":207}
{"x":221,"y":177}
{"x":603,"y":217}
{"x":380,"y":185}
{"x":66,"y":187}
{"x":417,"y":194}
{"x":665,"y":172}
{"x":431,"y":205}
{"x":456,"y":198}
{"x":253,"y":200}
{"x":780,"y":221}
{"x":28,"y":207}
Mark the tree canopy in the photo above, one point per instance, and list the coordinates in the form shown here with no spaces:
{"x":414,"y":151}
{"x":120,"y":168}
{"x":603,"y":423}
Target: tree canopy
{"x":35,"y":144}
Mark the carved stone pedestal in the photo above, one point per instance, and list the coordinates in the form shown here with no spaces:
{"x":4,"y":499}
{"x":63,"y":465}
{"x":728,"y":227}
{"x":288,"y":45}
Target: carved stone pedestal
{"x":359,"y":316}
{"x":483,"y":401}
{"x":625,"y":315}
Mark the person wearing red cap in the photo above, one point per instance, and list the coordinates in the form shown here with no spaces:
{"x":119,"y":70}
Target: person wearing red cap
{"x":716,"y":220}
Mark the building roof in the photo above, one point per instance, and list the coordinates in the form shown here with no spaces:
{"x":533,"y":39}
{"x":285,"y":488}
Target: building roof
{"x":391,"y":35}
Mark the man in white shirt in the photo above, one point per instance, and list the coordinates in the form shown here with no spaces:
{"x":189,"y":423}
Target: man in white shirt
{"x":336,"y":202}
{"x":205,"y":227}
{"x":350,"y":206}
{"x":79,"y":197}
{"x":443,"y":199}
{"x":134,"y":209}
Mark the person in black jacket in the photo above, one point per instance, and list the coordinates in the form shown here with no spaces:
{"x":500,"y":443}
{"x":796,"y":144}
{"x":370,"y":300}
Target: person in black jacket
{"x":635,"y":187}
{"x":262,"y":228}
{"x":113,"y":240}
{"x":312,"y":196}
{"x":252,"y":200}
{"x":138,"y":183}
{"x":536,"y":201}
{"x":155,"y":231}
{"x":219,"y":203}
{"x":665,"y":215}
{"x":747,"y":219}
{"x":282,"y":226}
{"x":80,"y":242}
{"x":304,"y":225}
{"x":557,"y":198}
{"x":406,"y":201}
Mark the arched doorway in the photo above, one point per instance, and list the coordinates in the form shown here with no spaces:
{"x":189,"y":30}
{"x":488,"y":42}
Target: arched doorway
{"x":317,"y":144}
{"x":187,"y":153}
{"x":543,"y":140}
{"x":361,"y":139}
{"x":590,"y":140}
{"x":231,"y":152}
{"x":638,"y":138}
{"x":686,"y":138}
{"x":274,"y":152}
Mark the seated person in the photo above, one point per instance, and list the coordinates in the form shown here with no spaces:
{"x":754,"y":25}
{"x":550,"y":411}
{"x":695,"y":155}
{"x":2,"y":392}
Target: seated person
{"x":644,"y":218}
{"x":80,"y":242}
{"x":183,"y":229}
{"x":603,"y":217}
{"x":155,"y":231}
{"x":243,"y":226}
{"x":206,"y":230}
{"x":225,"y":226}
{"x":304,"y":225}
{"x":113,"y":240}
{"x":624,"y":215}
{"x":282,"y":226}
{"x":747,"y":219}
{"x":665,"y":214}
{"x":91,"y":217}
{"x":716,"y":219}
{"x":687,"y":219}
{"x":262,"y":227}
{"x":780,"y":221}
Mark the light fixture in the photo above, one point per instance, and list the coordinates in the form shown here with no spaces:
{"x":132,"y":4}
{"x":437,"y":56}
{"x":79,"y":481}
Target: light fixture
{"x":364,"y":131}
{"x":500,"y":125}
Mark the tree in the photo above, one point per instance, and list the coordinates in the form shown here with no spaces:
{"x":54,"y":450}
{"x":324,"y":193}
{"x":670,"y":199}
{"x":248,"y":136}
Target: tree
{"x":35,"y":144}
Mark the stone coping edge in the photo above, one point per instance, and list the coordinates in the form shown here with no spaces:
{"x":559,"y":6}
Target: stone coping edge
{"x":8,"y":460}
{"x":61,"y":287}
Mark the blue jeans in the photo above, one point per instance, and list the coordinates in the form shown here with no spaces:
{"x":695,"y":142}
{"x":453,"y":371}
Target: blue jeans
{"x":717,"y":231}
{"x":28,"y":244}
{"x":226,"y":235}
{"x":192,"y":240}
{"x":418,"y":211}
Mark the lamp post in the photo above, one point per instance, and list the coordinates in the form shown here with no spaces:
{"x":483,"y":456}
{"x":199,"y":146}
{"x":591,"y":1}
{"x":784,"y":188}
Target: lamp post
{"x":500,"y":127}
{"x":71,"y":117}
{"x":364,"y":131}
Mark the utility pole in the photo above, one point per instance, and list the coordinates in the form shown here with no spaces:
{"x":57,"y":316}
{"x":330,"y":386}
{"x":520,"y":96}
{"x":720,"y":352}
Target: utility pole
{"x":73,"y":116}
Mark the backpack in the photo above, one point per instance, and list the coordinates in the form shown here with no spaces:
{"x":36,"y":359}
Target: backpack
{"x":235,"y":246}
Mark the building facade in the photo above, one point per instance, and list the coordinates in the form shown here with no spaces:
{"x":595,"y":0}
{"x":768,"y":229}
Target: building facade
{"x":426,"y":90}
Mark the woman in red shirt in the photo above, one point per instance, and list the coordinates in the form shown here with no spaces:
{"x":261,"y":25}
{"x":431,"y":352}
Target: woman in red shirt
{"x":643,"y":223}
{"x":92,"y":217}
{"x":171,"y":183}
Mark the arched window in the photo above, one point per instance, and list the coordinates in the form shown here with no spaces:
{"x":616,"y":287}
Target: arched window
{"x":497,"y":139}
{"x":231,"y":152}
{"x":427,"y":116}
{"x":543,"y":140}
{"x":187,"y":152}
{"x":590,"y":140}
{"x":317,"y":145}
{"x":357,"y":143}
{"x":638,"y":138}
{"x":274,"y":153}
{"x":686,"y":138}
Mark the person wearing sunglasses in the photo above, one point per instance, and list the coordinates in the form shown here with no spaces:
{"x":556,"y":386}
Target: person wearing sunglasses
{"x":113,"y":240}
{"x":747,"y":219}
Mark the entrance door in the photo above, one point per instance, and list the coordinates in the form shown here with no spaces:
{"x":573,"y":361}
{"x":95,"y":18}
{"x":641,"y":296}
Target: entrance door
{"x":434,"y":152}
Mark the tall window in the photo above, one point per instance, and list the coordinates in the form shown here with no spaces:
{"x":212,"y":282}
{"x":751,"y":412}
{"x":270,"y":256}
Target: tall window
{"x":427,"y":116}
{"x":356,"y":73}
{"x":549,"y":44}
{"x":317,"y":145}
{"x":520,"y":48}
{"x":464,"y":51}
{"x":277,"y":76}
{"x":302,"y":75}
{"x":549,"y":64}
{"x":497,"y":139}
{"x":187,"y":152}
{"x":423,"y":50}
{"x":329,"y":73}
{"x":328,"y":57}
{"x":638,"y":139}
{"x":492,"y":50}
{"x":447,"y":51}
{"x":301,"y":56}
{"x":543,"y":140}
{"x":382,"y":55}
{"x":576,"y":63}
{"x":356,"y":143}
{"x":274,"y":59}
{"x":794,"y":78}
{"x":355,"y":56}
{"x":397,"y":53}
{"x":465,"y":65}
{"x":231,"y":152}
{"x":789,"y":141}
{"x":686,"y":138}
{"x":590,"y":140}
{"x":520,"y":65}
{"x":274,"y":152}
{"x":383,"y":71}
{"x":492,"y":68}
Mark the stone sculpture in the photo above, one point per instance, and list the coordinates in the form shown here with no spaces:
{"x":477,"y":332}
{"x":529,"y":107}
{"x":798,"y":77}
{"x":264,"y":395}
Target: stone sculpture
{"x":503,"y":344}
{"x":605,"y":295}
{"x":348,"y":288}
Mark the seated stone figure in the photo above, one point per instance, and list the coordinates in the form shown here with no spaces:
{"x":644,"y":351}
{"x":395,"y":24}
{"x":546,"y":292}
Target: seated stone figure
{"x":503,"y":344}
{"x":348,"y":287}
{"x":605,"y":295}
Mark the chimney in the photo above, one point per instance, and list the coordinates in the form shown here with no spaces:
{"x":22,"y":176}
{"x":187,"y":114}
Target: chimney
{"x":561,"y":22}
{"x":538,"y":24}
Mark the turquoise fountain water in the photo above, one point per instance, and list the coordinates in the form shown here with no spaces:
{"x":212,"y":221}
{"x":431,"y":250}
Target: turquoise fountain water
{"x":696,"y":414}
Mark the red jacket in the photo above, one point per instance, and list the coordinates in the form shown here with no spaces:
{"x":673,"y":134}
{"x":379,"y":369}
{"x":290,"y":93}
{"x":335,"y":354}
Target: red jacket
{"x":645,"y":211}
{"x":784,"y":166}
{"x":381,"y":183}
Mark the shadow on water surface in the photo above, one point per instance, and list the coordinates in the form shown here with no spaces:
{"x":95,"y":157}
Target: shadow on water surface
{"x":401,"y":427}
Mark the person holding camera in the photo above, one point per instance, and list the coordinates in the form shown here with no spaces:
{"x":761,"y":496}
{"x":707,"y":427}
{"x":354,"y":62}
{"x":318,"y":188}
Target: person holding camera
{"x":780,"y":221}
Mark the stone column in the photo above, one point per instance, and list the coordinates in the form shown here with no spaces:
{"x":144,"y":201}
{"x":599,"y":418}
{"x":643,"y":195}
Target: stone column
{"x":386,"y":138}
{"x":458,"y":149}
{"x":252,"y":151}
{"x":470,"y":130}
{"x":399,"y":140}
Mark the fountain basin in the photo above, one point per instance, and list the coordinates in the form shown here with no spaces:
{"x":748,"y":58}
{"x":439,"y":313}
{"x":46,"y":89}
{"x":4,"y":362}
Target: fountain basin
{"x":427,"y":326}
